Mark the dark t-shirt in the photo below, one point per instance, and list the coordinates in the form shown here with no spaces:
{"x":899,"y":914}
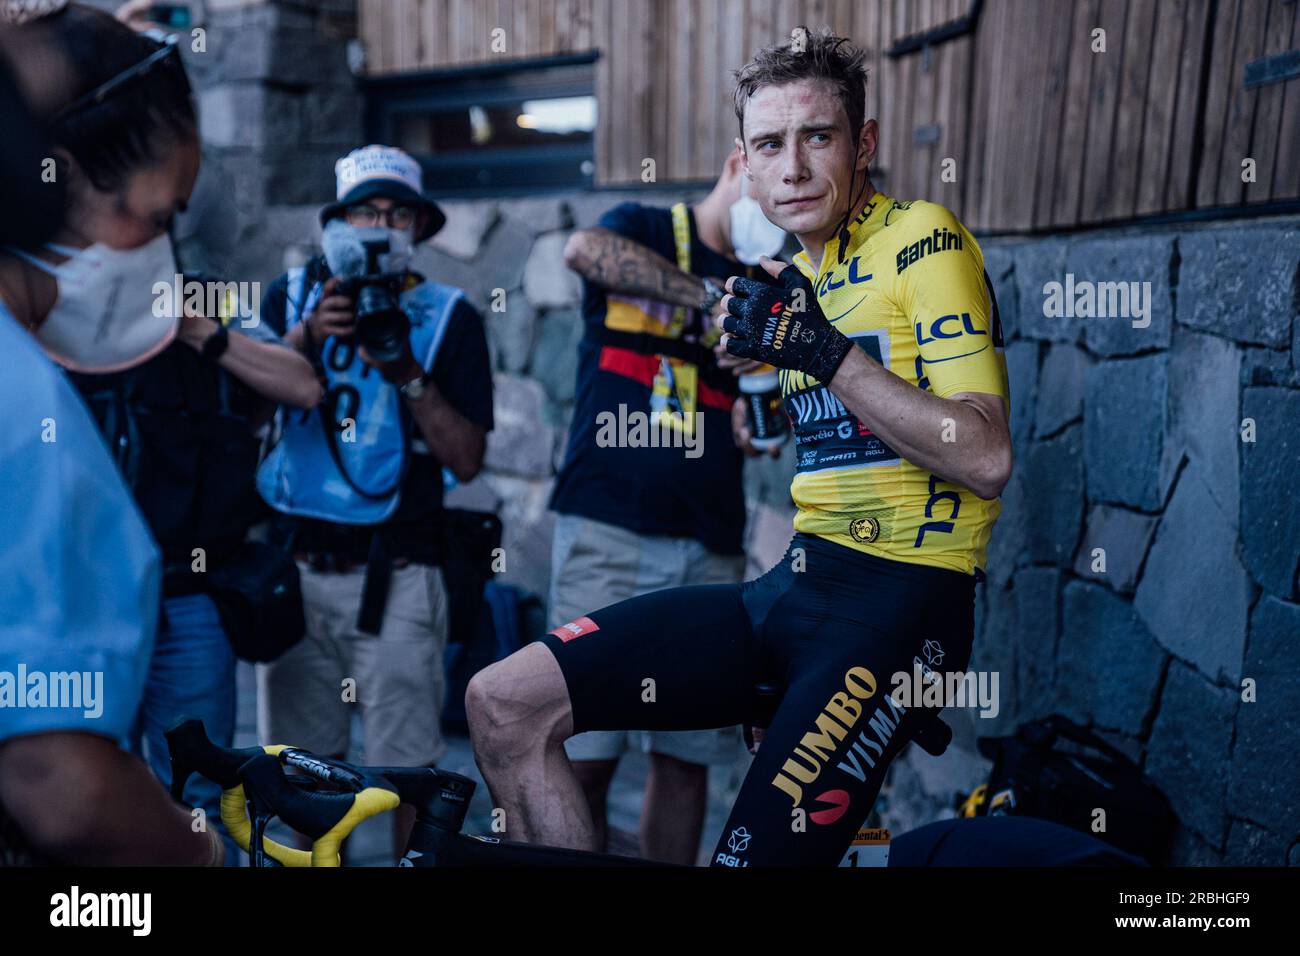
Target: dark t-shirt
{"x":180,"y":432}
{"x":651,"y":490}
{"x":462,"y":373}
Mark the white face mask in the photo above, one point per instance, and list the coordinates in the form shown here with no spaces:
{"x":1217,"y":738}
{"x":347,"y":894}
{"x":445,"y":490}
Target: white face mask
{"x":104,"y":319}
{"x":752,"y":234}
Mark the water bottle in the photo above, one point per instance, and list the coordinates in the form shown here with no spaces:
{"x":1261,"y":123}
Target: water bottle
{"x":767,"y":422}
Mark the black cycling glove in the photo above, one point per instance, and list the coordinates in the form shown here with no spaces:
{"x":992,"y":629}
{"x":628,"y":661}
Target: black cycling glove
{"x":765,"y":326}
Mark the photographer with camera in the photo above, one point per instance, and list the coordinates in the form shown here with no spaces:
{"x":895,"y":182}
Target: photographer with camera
{"x":359,"y":481}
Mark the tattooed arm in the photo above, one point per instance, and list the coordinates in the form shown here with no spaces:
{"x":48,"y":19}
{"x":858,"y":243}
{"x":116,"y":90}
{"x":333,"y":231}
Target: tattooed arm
{"x":621,"y":265}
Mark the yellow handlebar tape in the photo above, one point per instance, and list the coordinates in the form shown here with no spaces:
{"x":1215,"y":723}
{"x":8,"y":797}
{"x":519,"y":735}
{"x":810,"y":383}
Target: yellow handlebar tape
{"x":234,"y":814}
{"x":369,"y":802}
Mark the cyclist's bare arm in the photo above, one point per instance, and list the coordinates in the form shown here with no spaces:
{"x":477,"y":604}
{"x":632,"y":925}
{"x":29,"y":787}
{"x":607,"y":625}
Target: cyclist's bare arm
{"x":616,"y":262}
{"x":914,"y":423}
{"x":79,"y":799}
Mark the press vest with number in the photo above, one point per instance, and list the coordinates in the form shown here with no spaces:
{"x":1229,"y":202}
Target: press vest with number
{"x":301,"y":476}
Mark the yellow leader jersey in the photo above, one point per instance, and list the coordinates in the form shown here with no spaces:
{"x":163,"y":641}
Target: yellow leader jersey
{"x":912,"y":293}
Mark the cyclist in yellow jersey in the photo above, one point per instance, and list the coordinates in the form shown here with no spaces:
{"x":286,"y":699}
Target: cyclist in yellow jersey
{"x":888,"y":338}
{"x":911,"y":293}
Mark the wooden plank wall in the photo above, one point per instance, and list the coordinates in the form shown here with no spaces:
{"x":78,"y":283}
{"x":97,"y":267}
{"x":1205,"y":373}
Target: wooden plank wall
{"x":1043,"y":132}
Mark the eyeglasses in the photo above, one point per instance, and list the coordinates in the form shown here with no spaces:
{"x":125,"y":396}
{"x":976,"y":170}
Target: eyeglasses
{"x":365,"y":215}
{"x":167,"y":55}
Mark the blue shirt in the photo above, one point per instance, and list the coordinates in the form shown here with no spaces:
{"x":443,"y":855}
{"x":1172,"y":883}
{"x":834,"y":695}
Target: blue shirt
{"x":79,"y":572}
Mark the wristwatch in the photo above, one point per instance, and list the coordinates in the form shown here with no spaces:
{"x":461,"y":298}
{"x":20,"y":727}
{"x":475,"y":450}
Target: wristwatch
{"x":413,"y":390}
{"x":713,"y":294}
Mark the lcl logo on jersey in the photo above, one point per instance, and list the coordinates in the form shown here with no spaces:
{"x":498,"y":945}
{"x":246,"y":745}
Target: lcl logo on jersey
{"x":947,"y":327}
{"x":854,"y":277}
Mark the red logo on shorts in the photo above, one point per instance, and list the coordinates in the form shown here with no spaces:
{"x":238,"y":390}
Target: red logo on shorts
{"x":583,"y":625}
{"x":840,"y":801}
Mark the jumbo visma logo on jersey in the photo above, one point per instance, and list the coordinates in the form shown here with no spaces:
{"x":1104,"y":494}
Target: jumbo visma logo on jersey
{"x":826,"y":433}
{"x":841,"y":741}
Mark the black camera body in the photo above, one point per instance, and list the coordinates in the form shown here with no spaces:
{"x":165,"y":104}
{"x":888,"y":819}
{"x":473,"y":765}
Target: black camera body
{"x":382,"y":326}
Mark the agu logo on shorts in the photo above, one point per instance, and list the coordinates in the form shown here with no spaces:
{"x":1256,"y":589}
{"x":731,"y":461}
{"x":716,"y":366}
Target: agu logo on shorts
{"x":737,"y":843}
{"x":583,"y":625}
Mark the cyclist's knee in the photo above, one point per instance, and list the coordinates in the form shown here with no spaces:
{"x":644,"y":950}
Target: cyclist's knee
{"x":518,"y":704}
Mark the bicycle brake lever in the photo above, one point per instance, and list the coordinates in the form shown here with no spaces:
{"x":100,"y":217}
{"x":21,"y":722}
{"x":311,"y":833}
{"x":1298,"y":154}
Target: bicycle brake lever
{"x":259,"y":815}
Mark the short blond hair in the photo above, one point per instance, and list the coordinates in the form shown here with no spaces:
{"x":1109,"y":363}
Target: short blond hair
{"x":823,"y":57}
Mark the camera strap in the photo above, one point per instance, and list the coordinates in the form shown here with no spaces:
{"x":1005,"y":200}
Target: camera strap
{"x":329,"y":421}
{"x":328,"y":407}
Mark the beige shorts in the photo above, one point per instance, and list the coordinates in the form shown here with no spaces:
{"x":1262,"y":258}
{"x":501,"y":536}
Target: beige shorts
{"x":395,"y":678}
{"x":594,"y":565}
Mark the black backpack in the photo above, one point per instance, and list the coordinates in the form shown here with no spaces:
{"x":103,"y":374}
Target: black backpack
{"x":1033,"y":775}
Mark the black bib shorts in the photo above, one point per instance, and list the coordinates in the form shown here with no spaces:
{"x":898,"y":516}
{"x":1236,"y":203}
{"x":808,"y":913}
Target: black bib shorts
{"x":831,"y":626}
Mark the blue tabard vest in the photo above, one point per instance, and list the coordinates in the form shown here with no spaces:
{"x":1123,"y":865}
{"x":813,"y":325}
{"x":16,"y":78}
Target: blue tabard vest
{"x":300,"y":476}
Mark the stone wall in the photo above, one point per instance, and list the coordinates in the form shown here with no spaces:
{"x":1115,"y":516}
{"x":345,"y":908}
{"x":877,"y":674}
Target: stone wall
{"x":1142,"y":577}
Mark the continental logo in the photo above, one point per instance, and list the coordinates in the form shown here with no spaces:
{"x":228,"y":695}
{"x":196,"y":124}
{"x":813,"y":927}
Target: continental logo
{"x":864,"y":530}
{"x":940,"y":240}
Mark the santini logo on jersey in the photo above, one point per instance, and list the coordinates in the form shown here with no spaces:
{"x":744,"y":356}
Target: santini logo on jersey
{"x":940,"y":241}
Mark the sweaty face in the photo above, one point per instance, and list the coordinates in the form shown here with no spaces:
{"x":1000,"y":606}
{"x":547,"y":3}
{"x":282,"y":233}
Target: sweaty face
{"x":141,"y":208}
{"x":801,"y":156}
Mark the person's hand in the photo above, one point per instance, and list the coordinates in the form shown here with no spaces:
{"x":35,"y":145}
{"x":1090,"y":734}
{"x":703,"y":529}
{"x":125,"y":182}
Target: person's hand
{"x":195,"y":329}
{"x":782,"y":325}
{"x":334,"y":314}
{"x":717,"y":306}
{"x":400,"y":370}
{"x":737,"y":365}
{"x":135,"y":14}
{"x":744,"y":438}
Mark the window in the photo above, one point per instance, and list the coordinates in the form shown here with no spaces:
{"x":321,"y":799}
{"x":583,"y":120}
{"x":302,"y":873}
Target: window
{"x":492,"y":130}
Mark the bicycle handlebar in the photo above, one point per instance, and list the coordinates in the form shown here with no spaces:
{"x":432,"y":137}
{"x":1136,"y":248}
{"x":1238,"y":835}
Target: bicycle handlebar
{"x":248,"y":782}
{"x":439,"y":797}
{"x":327,"y":817}
{"x":193,"y":752}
